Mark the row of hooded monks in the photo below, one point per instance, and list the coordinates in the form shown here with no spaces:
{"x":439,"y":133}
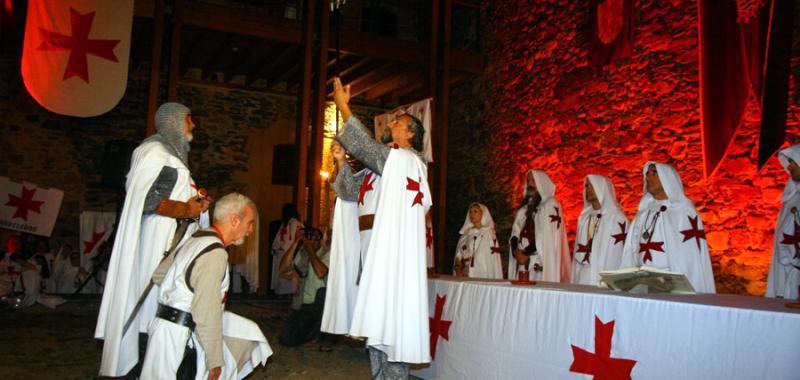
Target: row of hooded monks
{"x":667,"y":233}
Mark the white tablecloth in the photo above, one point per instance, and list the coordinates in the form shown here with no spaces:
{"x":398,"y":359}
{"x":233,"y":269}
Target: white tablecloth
{"x":500,"y":331}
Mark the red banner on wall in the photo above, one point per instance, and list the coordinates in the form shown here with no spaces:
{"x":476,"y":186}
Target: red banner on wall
{"x":75,"y":54}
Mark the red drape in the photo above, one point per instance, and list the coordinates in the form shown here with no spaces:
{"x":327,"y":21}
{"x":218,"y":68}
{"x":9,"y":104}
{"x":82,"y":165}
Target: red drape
{"x":610,"y":30}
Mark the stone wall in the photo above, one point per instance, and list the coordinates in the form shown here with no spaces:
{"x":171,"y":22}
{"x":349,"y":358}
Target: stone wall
{"x":544,"y":108}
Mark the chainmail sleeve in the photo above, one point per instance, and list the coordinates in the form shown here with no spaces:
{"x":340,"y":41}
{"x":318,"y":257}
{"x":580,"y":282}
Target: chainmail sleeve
{"x":347,"y":185}
{"x":161,"y":189}
{"x":356,"y":139}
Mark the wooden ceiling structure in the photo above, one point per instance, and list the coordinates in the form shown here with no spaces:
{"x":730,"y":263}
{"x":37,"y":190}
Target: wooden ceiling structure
{"x":244,"y":48}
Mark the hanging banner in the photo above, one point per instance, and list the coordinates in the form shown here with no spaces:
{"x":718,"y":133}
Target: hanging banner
{"x":96,"y":228}
{"x":28,"y":208}
{"x":75,"y":54}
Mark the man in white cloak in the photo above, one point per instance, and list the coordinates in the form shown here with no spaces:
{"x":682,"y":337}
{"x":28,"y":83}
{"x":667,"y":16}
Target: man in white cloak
{"x":601,"y":232}
{"x":346,"y":258}
{"x":667,"y":232}
{"x":538,"y":237}
{"x":191,"y":305}
{"x":477,"y":252}
{"x":159,"y":192}
{"x":391,"y":309}
{"x":784,"y":271}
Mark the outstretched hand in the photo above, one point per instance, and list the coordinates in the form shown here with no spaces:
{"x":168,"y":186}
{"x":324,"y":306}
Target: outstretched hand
{"x":341,"y":96}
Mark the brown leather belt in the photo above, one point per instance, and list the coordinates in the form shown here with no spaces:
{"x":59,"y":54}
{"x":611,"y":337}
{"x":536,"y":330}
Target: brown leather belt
{"x":365,"y":222}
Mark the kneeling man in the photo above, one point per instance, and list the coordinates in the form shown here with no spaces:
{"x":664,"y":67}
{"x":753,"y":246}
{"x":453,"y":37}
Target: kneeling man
{"x":191,"y":314}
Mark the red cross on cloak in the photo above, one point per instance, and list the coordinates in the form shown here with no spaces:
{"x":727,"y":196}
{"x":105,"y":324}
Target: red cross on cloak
{"x":620,"y":237}
{"x":647,"y":247}
{"x":88,"y":246}
{"x":600,"y":364}
{"x":793,"y":240}
{"x":438,"y":326}
{"x":587,"y":249}
{"x":495,"y":247}
{"x":366,"y":186}
{"x":24,"y":203}
{"x":414,"y":186}
{"x":79,"y":45}
{"x":694,"y":232}
{"x":283,"y":233}
{"x":556,"y":218}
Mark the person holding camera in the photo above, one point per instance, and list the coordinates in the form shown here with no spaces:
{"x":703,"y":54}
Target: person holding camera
{"x":307,"y":260}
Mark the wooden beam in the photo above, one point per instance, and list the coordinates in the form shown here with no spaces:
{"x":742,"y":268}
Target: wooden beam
{"x":440,"y":139}
{"x":365,"y":81}
{"x":318,"y":127}
{"x":259,"y":23}
{"x":175,"y":52}
{"x":352,"y":68}
{"x":286,"y":56}
{"x":303,"y":110}
{"x":407,"y":78}
{"x":155,"y":65}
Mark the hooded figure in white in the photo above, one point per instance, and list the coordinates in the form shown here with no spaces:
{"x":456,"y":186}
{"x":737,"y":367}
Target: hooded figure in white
{"x":477,"y":252}
{"x":602,"y":228}
{"x":667,"y":232}
{"x":548,"y":254}
{"x":784,"y":272}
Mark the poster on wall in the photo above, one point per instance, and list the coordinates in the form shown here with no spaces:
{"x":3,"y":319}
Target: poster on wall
{"x":75,"y":54}
{"x":28,"y":208}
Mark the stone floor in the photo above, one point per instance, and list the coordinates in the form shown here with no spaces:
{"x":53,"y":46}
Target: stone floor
{"x":39,"y":343}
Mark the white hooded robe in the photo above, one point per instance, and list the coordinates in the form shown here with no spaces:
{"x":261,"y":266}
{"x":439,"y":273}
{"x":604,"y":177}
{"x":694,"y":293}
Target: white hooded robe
{"x":478,"y":248}
{"x":784,"y":271}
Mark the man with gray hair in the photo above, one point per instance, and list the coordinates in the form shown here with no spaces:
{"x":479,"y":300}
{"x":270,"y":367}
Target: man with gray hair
{"x":191,"y":321}
{"x":161,"y":203}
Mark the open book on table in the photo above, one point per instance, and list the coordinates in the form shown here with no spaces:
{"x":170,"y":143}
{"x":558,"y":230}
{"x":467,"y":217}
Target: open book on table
{"x":646,"y":280}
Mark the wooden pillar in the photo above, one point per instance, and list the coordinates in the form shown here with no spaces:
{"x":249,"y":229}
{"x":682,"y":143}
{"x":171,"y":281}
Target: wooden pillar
{"x":433,"y":52}
{"x":318,"y":127}
{"x":155,"y":65}
{"x":430,"y":88}
{"x":303,"y":110}
{"x":175,"y":52}
{"x":443,"y":106}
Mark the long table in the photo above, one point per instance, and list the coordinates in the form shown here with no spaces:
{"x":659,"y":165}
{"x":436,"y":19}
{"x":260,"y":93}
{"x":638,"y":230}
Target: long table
{"x":496,"y":330}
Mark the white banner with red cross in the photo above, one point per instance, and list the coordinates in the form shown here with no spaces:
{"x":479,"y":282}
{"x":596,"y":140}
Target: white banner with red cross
{"x":28,"y":208}
{"x":495,"y":330}
{"x":96,"y":227}
{"x":75,"y":54}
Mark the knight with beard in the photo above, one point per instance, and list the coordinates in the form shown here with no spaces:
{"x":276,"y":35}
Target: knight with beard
{"x":538,"y":239}
{"x":159,"y":192}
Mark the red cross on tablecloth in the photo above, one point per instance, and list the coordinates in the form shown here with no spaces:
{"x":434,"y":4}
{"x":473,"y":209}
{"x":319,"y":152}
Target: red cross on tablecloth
{"x":438,"y":326}
{"x":600,"y":364}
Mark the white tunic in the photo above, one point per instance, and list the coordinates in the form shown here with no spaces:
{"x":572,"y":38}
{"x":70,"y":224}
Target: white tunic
{"x":345,"y":257}
{"x":551,"y":237}
{"x":283,"y":240}
{"x":139,"y":245}
{"x":392,"y":305}
{"x":368,"y":197}
{"x":600,"y":234}
{"x":784,"y":271}
{"x":669,"y":234}
{"x":168,"y":340}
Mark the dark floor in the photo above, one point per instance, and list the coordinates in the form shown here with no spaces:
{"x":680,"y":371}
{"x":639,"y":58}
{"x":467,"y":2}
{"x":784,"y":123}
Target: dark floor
{"x":39,"y":343}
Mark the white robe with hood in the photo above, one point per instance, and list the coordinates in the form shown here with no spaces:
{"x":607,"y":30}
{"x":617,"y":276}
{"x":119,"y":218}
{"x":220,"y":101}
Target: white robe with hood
{"x":479,"y":247}
{"x":392,"y":305}
{"x":784,"y":271}
{"x":608,"y":229}
{"x":677,"y":232}
{"x":551,"y":237}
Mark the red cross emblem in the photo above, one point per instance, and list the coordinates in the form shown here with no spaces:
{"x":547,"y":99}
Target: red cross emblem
{"x":495,"y":247}
{"x":88,"y":246}
{"x":366,"y":186}
{"x":694,"y":232}
{"x":438,"y":326}
{"x":24,"y":203}
{"x":623,"y":233}
{"x":556,"y":218}
{"x":283,"y":233}
{"x":414,"y":186}
{"x":78,"y":45}
{"x":600,"y":364}
{"x":587,"y":249}
{"x":647,"y":247}
{"x":793,"y":240}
